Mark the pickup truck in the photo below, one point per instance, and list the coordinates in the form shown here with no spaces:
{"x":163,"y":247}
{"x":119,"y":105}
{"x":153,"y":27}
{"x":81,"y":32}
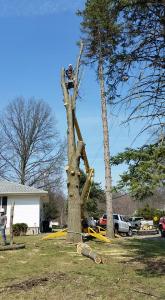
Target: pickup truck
{"x":135,"y":222}
{"x":162,"y":226}
{"x":120,"y":224}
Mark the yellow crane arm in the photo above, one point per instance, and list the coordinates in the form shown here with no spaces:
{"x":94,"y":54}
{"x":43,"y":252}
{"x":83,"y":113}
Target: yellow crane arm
{"x":87,"y":186}
{"x":89,"y":171}
{"x":80,"y":138}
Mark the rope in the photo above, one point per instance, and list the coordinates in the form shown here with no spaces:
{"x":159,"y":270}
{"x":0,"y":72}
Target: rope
{"x":75,"y":232}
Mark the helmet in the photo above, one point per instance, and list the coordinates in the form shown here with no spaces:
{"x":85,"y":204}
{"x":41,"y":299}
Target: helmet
{"x":2,"y":210}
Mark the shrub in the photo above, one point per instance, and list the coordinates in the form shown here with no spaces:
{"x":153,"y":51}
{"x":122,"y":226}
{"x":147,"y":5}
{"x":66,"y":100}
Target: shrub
{"x":20,"y":229}
{"x":149,"y":213}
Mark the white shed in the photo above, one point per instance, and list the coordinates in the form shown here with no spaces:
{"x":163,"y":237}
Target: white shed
{"x":28,"y":204}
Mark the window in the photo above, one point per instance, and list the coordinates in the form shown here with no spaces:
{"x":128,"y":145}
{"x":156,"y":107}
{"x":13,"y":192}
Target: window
{"x":115,"y":217}
{"x":139,"y":219}
{"x":3,"y":203}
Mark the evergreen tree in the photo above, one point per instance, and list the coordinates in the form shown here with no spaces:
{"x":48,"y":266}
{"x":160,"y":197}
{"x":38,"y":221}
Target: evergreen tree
{"x":146,"y":170}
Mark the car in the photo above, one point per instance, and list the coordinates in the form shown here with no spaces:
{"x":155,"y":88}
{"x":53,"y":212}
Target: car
{"x":135,"y":222}
{"x":162,"y":226}
{"x":120,"y":224}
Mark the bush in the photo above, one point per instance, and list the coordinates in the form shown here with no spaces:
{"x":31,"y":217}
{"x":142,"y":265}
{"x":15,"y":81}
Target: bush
{"x":20,"y":229}
{"x":150,"y":213}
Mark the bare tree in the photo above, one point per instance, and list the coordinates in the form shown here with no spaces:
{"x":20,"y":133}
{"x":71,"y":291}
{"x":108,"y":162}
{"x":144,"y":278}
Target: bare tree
{"x":32,"y":149}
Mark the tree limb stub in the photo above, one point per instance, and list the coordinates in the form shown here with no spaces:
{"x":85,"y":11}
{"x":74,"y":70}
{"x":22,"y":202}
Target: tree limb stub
{"x":77,"y":80}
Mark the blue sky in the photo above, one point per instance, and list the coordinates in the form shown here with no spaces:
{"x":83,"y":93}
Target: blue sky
{"x":37,"y":38}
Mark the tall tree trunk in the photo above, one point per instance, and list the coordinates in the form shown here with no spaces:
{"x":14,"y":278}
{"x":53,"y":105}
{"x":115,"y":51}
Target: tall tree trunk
{"x":108,"y":177}
{"x":74,"y":154}
{"x":74,"y":205}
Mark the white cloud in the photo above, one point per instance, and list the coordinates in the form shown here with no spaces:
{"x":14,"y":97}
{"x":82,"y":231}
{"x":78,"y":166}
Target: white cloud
{"x":37,"y":7}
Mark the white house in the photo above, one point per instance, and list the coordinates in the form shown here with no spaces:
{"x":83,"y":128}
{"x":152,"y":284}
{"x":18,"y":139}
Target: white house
{"x":28,"y":204}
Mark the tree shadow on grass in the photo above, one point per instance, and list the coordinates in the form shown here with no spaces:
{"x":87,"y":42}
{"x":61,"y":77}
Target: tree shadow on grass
{"x":148,"y":255}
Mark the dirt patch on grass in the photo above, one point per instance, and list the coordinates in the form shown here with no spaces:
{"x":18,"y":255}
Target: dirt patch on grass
{"x":30,"y":283}
{"x":156,"y":267}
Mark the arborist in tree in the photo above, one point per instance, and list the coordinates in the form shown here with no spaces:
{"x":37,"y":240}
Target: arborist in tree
{"x":3,"y":221}
{"x":70,"y":77}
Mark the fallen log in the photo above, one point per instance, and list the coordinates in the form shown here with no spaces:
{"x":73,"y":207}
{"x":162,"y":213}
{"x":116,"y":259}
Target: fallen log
{"x":88,"y":252}
{"x":12,"y":247}
{"x":79,"y":248}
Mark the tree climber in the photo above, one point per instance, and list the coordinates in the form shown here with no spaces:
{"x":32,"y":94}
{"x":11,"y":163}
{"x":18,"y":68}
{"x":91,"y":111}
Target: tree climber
{"x":70,"y":77}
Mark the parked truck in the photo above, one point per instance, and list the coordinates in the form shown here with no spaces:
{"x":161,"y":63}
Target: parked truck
{"x":120,"y":224}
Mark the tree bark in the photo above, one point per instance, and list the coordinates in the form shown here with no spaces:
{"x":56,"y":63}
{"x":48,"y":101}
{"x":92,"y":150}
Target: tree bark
{"x":108,"y":177}
{"x":74,"y":205}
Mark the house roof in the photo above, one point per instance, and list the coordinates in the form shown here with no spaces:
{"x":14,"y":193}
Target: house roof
{"x":14,"y":188}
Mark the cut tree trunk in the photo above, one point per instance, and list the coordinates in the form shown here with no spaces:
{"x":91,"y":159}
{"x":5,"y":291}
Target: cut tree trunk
{"x":108,"y":177}
{"x":74,"y":205}
{"x":74,"y":154}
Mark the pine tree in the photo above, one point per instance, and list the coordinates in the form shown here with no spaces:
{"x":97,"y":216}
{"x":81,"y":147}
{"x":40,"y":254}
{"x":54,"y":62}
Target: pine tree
{"x":146,"y":170}
{"x":97,"y":28}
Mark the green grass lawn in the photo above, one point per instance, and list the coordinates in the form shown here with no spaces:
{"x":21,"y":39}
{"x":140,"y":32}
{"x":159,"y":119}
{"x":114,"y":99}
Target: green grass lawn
{"x":133,"y":269}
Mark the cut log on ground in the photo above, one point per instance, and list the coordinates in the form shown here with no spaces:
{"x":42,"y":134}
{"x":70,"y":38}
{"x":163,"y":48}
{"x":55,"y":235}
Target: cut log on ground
{"x":12,"y":247}
{"x":88,"y":252}
{"x":82,"y":245}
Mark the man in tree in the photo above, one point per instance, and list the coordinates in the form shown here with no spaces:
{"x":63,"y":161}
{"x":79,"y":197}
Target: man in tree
{"x":70,"y":77}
